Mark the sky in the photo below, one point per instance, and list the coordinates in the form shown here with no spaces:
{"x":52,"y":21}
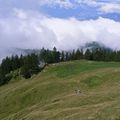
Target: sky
{"x":66,"y":24}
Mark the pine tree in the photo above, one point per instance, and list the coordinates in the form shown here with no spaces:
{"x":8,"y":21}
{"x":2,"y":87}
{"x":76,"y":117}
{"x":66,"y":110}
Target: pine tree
{"x":30,"y":66}
{"x":88,"y":55}
{"x":62,"y":56}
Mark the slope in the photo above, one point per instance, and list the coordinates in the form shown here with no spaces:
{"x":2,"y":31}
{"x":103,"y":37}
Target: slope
{"x":51,"y":95}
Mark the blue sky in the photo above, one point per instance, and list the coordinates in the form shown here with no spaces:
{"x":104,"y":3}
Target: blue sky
{"x":66,"y":24}
{"x":81,"y":9}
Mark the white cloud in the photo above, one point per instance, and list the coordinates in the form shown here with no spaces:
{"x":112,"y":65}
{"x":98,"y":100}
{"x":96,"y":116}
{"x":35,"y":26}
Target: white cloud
{"x":88,"y":2}
{"x":73,"y":33}
{"x":53,"y":3}
{"x":92,"y":3}
{"x":33,"y":30}
{"x":110,"y":8}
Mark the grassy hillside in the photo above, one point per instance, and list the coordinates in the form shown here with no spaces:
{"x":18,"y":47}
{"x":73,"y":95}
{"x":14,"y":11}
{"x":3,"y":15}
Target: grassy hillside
{"x":51,"y":94}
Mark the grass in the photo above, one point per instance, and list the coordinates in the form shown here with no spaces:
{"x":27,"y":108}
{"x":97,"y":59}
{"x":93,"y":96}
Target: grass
{"x":51,"y":94}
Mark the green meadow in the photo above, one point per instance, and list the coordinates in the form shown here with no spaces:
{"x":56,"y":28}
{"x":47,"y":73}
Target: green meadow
{"x":51,"y":95}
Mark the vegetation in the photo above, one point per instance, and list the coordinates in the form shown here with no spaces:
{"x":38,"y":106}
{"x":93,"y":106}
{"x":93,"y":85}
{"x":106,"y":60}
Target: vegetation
{"x":51,"y":95}
{"x":30,"y":64}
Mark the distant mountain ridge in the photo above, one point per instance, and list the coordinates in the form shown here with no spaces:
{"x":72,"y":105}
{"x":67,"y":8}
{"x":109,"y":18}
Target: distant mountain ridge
{"x":27,"y":51}
{"x":89,"y":45}
{"x":94,"y":45}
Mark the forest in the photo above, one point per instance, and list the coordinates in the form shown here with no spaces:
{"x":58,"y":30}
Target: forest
{"x":33,"y":63}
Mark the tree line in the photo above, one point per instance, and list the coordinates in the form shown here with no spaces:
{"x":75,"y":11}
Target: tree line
{"x":33,"y":63}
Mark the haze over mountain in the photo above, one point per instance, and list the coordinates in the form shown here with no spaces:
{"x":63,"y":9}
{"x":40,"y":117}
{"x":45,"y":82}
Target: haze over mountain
{"x":66,"y":24}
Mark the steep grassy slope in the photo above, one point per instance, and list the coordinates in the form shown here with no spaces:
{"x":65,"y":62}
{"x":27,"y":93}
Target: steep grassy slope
{"x":51,"y":94}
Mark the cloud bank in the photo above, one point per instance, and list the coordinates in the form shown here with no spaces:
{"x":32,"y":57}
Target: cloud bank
{"x":32,"y":30}
{"x":110,"y":8}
